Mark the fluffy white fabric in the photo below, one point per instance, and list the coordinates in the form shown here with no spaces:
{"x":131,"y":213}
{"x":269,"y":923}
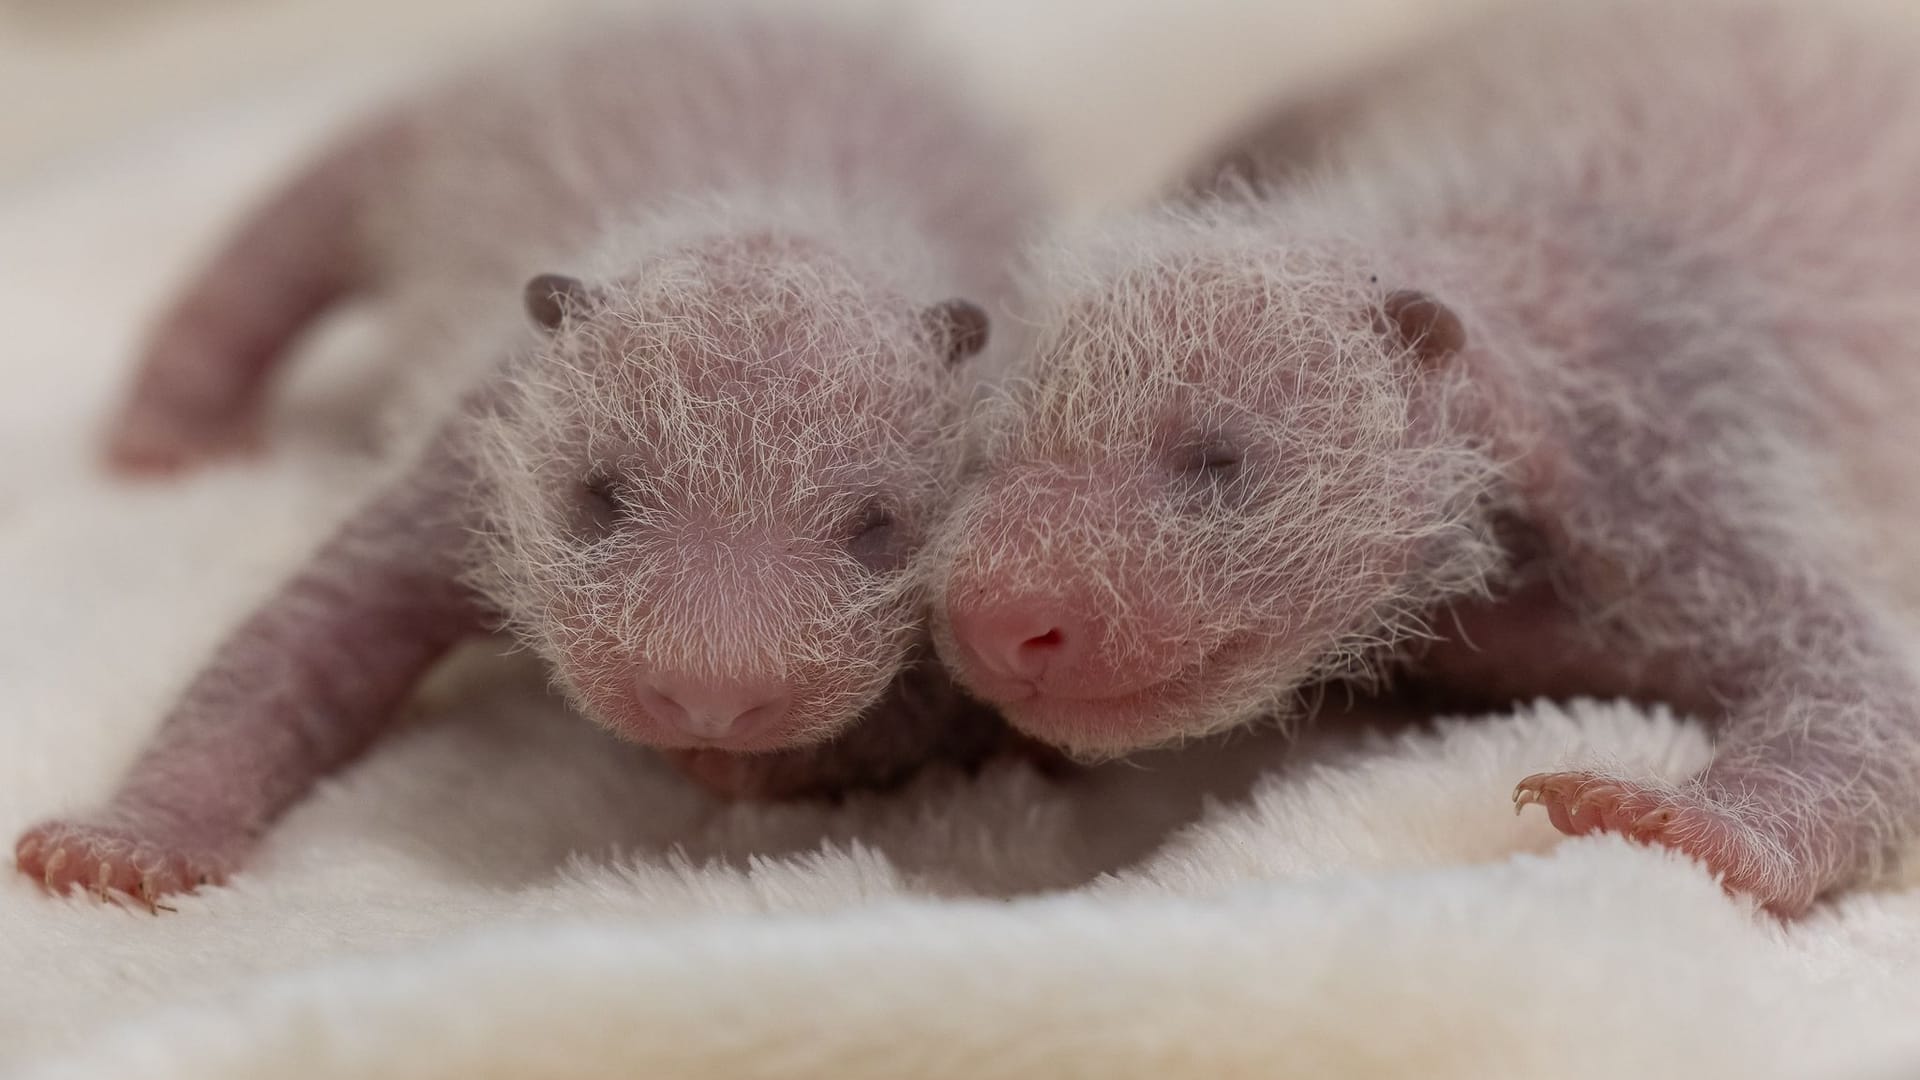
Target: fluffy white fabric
{"x":501,"y":891}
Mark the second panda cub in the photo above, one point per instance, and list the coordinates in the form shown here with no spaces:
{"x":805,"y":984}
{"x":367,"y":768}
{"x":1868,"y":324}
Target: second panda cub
{"x":1581,"y":364}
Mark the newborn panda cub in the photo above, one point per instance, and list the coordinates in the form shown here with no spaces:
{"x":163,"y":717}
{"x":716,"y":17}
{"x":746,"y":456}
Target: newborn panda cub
{"x":1581,"y":362}
{"x":757,"y":252}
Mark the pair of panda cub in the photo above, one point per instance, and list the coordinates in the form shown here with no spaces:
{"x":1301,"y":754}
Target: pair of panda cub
{"x":1574,"y":362}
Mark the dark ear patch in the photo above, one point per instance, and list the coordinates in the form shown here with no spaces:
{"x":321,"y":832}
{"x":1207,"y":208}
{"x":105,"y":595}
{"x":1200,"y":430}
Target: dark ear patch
{"x":1424,"y":325}
{"x":550,"y":298}
{"x":959,"y":327}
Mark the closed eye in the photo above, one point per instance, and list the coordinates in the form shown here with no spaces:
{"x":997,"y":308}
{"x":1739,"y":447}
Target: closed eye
{"x":1214,"y":459}
{"x":1218,"y":459}
{"x":600,"y":496}
{"x":873,"y":536}
{"x":1209,"y":474}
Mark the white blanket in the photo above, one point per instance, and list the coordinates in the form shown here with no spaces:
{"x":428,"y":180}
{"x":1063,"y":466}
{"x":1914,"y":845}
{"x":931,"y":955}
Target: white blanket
{"x":500,"y":890}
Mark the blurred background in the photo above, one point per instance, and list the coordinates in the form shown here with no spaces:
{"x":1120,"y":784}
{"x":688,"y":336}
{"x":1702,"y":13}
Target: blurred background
{"x":1104,"y":75}
{"x":81,"y":73}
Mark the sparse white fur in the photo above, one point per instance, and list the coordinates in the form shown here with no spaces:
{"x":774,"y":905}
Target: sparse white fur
{"x":1679,"y":240}
{"x":698,"y":491}
{"x":1129,"y":366}
{"x":764,"y":206}
{"x":750,"y":395}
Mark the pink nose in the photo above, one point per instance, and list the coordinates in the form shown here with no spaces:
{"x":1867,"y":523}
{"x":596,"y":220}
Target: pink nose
{"x":714,"y":709}
{"x":1023,"y":643}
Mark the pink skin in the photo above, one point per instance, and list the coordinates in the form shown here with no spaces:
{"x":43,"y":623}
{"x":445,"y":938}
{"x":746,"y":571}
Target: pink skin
{"x":313,"y":678}
{"x":1586,"y":469}
{"x":1782,"y":818}
{"x":204,"y":373}
{"x":298,"y":690}
{"x":1745,"y":858}
{"x":670,"y":511}
{"x":1105,"y":607}
{"x":698,"y":493}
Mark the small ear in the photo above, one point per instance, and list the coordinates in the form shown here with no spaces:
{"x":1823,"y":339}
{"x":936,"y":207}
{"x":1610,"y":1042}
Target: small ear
{"x":1424,"y":325}
{"x":550,"y":298}
{"x":958,"y":326}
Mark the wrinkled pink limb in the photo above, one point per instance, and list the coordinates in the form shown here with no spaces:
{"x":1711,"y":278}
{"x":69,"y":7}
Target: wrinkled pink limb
{"x":202,"y":377}
{"x":305,"y":684}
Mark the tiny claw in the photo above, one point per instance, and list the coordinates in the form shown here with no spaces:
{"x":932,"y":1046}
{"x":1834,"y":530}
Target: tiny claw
{"x":1655,"y":819}
{"x":54,"y":862}
{"x":1523,"y":798}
